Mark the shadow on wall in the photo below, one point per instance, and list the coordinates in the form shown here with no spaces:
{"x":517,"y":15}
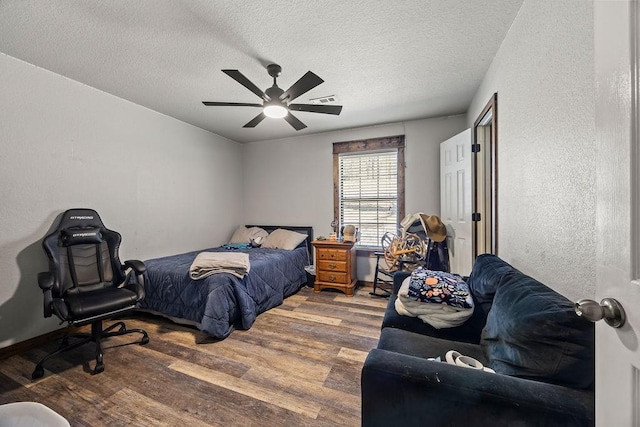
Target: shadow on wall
{"x":22,"y":315}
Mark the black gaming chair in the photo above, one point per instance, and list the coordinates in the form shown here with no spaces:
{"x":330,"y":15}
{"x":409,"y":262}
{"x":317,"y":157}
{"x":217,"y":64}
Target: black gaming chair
{"x":86,"y":283}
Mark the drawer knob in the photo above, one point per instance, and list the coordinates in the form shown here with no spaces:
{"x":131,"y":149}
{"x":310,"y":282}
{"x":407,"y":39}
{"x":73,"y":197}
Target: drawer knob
{"x":332,"y":266}
{"x":332,"y":278}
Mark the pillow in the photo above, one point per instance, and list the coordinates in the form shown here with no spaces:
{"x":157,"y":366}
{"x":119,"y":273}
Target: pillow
{"x":533,"y":332}
{"x":283,"y":239}
{"x":438,"y":298}
{"x":81,"y":236}
{"x":257,"y":235}
{"x":248,"y":235}
{"x":240,"y":235}
{"x":488,"y":273}
{"x":438,"y":287}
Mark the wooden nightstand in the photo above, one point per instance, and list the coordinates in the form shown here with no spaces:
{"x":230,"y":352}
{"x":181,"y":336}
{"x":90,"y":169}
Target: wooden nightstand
{"x":335,"y":266}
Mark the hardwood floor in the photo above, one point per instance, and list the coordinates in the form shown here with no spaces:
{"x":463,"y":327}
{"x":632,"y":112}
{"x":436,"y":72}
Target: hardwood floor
{"x":299,"y":365}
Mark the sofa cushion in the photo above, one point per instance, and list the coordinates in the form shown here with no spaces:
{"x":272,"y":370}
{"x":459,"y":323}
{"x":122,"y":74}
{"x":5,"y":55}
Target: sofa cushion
{"x":423,"y":346}
{"x":469,"y":331}
{"x":488,"y":273}
{"x":533,"y":332}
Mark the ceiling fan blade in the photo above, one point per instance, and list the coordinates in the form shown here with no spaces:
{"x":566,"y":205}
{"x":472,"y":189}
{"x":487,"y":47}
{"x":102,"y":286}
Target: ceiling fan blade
{"x":314,"y":108}
{"x":240,"y":78}
{"x":293,"y":121}
{"x":230,"y":104}
{"x":305,"y":84}
{"x":254,"y":122}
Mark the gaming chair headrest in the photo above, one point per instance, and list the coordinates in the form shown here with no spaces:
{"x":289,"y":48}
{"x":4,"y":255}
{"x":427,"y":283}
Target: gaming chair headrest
{"x":80,"y":218}
{"x":80,"y":226}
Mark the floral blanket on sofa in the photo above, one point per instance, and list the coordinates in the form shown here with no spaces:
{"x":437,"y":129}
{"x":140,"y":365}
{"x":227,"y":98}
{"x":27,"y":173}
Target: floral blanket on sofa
{"x":440,"y":299}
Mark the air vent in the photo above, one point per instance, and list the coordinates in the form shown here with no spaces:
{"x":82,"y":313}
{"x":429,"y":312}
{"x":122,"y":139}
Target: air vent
{"x":324,"y":100}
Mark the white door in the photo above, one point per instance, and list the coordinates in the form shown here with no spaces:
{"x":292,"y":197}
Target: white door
{"x":618,"y":206}
{"x":455,"y":199}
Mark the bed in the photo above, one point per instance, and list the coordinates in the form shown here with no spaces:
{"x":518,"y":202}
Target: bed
{"x":222,"y":302}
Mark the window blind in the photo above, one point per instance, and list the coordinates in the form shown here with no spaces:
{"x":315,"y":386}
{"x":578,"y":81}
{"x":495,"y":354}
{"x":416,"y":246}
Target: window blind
{"x":368,"y":193}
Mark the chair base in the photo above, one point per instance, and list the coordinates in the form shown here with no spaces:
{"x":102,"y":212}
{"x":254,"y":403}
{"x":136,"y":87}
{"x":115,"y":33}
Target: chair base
{"x":385,"y":285}
{"x":386,"y":293}
{"x":381,"y":285}
{"x":96,"y":336}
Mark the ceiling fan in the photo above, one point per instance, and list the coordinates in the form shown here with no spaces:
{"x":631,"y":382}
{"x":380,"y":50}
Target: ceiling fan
{"x":276,"y":103}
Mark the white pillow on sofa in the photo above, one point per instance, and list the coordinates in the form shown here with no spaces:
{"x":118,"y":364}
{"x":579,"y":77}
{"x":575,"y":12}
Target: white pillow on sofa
{"x":283,"y":239}
{"x":246,"y":235}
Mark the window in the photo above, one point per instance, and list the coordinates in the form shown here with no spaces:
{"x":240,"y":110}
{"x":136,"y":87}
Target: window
{"x":369,"y":186}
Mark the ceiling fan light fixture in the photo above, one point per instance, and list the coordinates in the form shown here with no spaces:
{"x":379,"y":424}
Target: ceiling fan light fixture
{"x":276,"y":103}
{"x":275,"y":110}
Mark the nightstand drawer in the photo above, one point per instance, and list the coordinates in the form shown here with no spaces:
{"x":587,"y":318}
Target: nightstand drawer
{"x":332,"y":266}
{"x":332,"y":254}
{"x":331,"y":277}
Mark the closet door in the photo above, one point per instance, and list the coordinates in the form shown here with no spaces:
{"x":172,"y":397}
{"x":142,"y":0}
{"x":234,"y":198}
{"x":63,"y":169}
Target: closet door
{"x":455,"y":200}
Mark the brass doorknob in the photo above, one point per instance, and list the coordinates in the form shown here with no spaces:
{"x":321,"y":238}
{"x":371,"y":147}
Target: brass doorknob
{"x":608,"y":309}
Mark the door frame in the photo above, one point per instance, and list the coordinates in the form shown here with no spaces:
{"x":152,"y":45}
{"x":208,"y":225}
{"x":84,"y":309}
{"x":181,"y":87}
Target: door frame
{"x":485,"y":174}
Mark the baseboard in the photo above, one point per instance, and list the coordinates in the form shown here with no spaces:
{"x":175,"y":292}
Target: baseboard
{"x":24,"y":346}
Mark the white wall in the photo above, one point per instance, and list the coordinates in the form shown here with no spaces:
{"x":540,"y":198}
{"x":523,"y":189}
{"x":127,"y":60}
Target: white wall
{"x":290,"y":181}
{"x":544,"y":77}
{"x":166,"y":186}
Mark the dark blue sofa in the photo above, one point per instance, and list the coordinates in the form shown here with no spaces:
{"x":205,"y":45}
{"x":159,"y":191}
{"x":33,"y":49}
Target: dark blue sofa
{"x":543,"y":355}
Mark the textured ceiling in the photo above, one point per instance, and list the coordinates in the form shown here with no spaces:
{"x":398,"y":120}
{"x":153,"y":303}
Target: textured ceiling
{"x":386,"y":61}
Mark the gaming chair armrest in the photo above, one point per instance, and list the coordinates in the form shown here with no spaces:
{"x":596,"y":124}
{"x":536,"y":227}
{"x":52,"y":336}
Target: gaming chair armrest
{"x":46,"y":281}
{"x":138,"y":285}
{"x":137,"y":266}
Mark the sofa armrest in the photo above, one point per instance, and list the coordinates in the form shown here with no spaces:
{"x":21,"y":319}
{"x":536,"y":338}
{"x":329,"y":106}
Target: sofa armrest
{"x":398,"y":278}
{"x":398,"y":389}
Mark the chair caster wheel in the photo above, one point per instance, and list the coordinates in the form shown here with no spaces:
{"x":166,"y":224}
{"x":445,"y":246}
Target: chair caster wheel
{"x":37,"y":373}
{"x":99,"y":368}
{"x":144,"y":340}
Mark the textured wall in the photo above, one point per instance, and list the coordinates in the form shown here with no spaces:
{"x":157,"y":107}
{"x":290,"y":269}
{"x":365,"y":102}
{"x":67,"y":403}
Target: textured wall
{"x":543,"y":74}
{"x":164,"y":185}
{"x":289,"y":181}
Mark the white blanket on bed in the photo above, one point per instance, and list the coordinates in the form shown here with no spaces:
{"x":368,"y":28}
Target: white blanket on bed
{"x":207,"y":263}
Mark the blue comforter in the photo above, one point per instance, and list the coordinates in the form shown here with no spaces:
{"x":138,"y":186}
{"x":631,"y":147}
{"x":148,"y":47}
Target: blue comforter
{"x":221,"y":302}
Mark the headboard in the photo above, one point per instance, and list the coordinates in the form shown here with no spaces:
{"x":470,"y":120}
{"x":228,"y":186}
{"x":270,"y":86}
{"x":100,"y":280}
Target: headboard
{"x":297,"y":228}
